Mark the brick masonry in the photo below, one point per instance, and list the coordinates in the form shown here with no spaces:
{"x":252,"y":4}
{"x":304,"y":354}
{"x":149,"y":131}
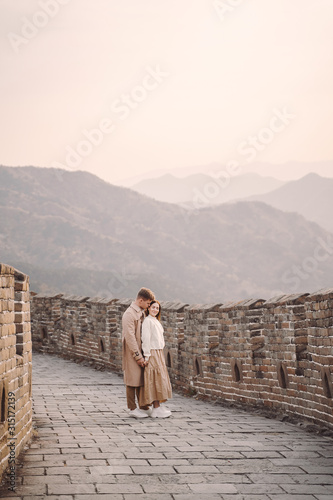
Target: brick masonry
{"x":272,"y":354}
{"x":15,"y":366}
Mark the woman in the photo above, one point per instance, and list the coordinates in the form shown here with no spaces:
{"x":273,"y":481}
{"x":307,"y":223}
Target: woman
{"x":157,"y":387}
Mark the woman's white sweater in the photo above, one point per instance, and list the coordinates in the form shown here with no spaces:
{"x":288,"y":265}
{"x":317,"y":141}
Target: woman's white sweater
{"x":152,"y":335}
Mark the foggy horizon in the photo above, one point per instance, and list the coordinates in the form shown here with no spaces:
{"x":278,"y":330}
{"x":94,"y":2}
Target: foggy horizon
{"x":125,"y":90}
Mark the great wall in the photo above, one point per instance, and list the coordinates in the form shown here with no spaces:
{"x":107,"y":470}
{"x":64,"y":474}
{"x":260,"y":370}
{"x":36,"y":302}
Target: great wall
{"x":272,"y":354}
{"x":15,"y":366}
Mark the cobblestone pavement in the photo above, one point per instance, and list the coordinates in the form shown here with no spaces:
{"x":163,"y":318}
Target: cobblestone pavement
{"x":88,"y":447}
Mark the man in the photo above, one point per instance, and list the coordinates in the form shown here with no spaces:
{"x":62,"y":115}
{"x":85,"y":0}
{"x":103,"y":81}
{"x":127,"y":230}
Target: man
{"x":133,"y":360}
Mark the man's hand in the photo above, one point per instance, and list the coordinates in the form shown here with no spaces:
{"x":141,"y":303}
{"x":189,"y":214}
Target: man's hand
{"x":141,"y":362}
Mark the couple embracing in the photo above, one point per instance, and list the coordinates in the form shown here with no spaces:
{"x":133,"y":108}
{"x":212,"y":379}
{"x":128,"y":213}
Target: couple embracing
{"x":145,"y":372}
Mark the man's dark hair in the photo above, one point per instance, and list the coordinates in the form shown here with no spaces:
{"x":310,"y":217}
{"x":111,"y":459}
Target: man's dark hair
{"x":146,"y":294}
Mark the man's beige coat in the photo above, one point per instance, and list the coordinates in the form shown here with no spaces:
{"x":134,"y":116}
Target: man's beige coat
{"x":131,"y":345}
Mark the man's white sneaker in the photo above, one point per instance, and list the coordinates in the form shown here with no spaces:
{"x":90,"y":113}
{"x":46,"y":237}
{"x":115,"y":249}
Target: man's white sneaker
{"x":137,"y":413}
{"x":147,"y":412}
{"x":160,"y":412}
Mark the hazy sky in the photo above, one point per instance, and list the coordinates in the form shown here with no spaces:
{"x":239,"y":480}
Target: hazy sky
{"x":168,"y":83}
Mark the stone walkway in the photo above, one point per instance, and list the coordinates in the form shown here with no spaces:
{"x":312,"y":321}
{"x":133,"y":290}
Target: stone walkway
{"x":88,"y":447}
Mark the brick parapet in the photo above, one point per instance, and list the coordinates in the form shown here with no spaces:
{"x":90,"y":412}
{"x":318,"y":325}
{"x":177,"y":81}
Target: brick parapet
{"x":274,"y":353}
{"x":15,"y":367}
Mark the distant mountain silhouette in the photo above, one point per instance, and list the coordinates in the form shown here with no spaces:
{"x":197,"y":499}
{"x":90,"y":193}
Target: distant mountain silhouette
{"x":286,"y":171}
{"x":311,"y":196}
{"x":199,"y":190}
{"x":73,"y":232}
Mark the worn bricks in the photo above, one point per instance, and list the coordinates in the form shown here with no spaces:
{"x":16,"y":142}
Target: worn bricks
{"x":231,"y":352}
{"x":15,"y":361}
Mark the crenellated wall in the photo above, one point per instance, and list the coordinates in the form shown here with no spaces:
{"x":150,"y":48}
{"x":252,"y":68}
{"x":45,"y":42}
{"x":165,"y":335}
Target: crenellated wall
{"x":275,"y":354}
{"x":15,"y":368}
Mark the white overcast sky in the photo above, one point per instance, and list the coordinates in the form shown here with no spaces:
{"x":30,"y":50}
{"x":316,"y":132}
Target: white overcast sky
{"x":225,"y":74}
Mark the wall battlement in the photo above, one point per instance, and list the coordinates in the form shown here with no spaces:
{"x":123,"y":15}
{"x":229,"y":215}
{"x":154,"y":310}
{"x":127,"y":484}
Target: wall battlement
{"x":275,"y":354}
{"x":15,"y":368}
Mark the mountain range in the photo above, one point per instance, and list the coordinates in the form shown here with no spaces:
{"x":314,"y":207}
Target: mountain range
{"x":74,"y":233}
{"x":204,"y":189}
{"x":286,"y":171}
{"x":310,"y":196}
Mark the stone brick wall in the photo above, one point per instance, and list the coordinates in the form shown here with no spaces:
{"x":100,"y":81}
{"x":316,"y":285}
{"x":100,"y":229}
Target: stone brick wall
{"x":15,"y":367}
{"x":275,"y":354}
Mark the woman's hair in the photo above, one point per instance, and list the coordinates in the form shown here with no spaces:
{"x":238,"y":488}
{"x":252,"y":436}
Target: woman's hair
{"x":158,"y":315}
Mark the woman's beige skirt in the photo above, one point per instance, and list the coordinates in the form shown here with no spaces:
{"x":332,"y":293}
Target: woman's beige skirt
{"x":157,"y":385}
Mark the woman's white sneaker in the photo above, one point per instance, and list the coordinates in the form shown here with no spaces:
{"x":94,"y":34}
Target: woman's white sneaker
{"x":160,"y":412}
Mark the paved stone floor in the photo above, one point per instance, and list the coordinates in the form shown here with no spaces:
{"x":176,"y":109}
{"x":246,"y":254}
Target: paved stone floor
{"x":88,"y":447}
